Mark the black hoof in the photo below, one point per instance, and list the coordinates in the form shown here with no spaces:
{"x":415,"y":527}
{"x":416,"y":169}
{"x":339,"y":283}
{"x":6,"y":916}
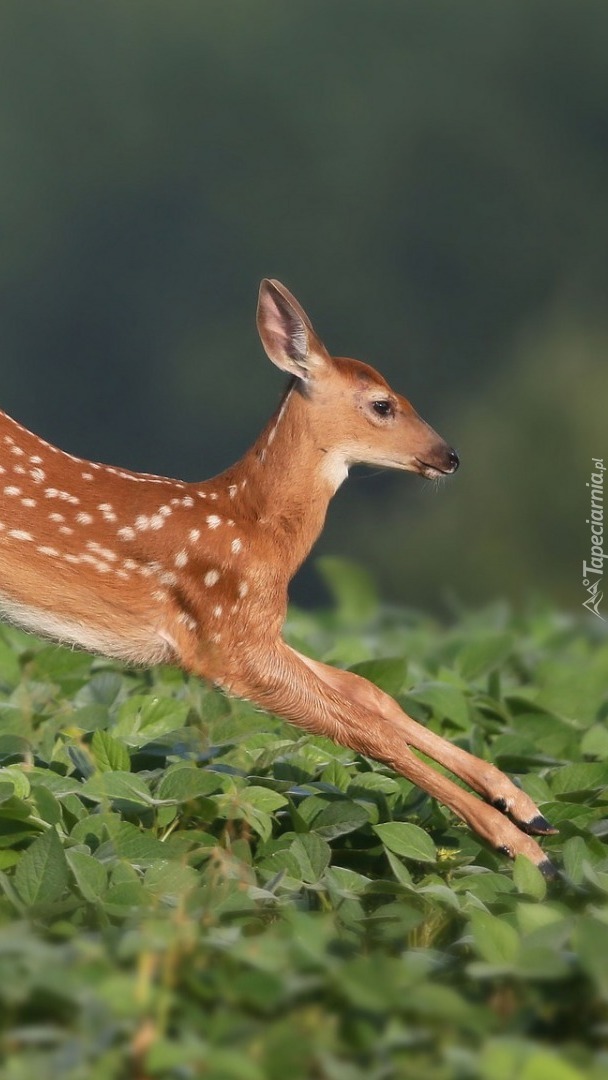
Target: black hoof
{"x":538,"y":825}
{"x":548,"y":870}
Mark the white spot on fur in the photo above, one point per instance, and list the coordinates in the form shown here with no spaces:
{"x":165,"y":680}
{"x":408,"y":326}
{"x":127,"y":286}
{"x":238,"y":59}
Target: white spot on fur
{"x":28,"y":502}
{"x":56,"y":517}
{"x":11,"y":490}
{"x":232,"y":490}
{"x":37,"y":475}
{"x":103,"y":552}
{"x":186,"y":620}
{"x":87,"y":476}
{"x":243,"y":589}
{"x":194,"y":535}
{"x":211,"y":578}
{"x":20,"y":534}
{"x":50,"y":551}
{"x":213,"y":521}
{"x":236,"y":546}
{"x":217,"y":611}
{"x":181,"y":558}
{"x":83,"y":518}
{"x":126,"y":533}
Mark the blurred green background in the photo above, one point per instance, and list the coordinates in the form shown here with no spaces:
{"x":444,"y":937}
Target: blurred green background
{"x":429,"y":178}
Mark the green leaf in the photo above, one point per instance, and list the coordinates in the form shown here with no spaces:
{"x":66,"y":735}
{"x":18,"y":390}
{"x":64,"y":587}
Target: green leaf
{"x":89,"y":874}
{"x":14,"y":775}
{"x":42,"y":873}
{"x":181,"y":783}
{"x":351,"y":588}
{"x":389,"y":674}
{"x":447,"y":702}
{"x":142,"y":719}
{"x":580,"y":778}
{"x":121,"y":787}
{"x":592,"y":942}
{"x":313,"y":855}
{"x":110,"y":754}
{"x":264,"y":799}
{"x":47,"y":805}
{"x":574,"y":854}
{"x":339,"y":818}
{"x":140,"y":848}
{"x":407,"y":840}
{"x":494,"y":939}
{"x":171,"y":880}
{"x":575,"y":688}
{"x":594,"y":742}
{"x":528,"y":878}
{"x":400,"y":871}
{"x":483,"y":655}
{"x":544,"y":1065}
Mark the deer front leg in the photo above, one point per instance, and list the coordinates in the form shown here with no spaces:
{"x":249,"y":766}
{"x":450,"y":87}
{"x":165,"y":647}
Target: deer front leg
{"x":480,"y":775}
{"x":345,"y":708}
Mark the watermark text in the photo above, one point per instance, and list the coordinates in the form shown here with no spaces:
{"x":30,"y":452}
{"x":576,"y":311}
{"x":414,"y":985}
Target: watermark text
{"x":593,"y":570}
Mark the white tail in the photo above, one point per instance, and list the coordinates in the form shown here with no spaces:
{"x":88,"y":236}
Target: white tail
{"x":150,"y":569}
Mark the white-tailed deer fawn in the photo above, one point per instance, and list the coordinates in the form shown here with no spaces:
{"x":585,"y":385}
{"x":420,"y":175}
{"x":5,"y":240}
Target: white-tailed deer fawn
{"x":150,"y":569}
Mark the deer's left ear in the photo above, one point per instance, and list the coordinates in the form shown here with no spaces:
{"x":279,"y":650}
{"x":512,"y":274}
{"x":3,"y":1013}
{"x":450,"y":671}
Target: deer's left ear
{"x":287,"y":334}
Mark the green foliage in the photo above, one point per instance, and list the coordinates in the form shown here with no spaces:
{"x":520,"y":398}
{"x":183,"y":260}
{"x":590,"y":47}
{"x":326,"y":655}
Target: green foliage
{"x":190,"y":888}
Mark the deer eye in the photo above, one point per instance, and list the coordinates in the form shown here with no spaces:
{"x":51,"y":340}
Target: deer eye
{"x":383,"y":407}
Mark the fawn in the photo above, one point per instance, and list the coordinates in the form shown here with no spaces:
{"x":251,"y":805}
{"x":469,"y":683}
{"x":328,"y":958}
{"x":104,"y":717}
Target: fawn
{"x":149,"y":569}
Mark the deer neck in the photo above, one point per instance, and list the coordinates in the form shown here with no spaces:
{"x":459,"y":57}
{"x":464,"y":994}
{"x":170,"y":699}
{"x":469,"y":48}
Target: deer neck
{"x":287,"y":479}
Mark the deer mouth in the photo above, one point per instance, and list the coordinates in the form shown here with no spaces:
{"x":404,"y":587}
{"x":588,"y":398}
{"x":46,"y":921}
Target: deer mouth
{"x":434,"y":472}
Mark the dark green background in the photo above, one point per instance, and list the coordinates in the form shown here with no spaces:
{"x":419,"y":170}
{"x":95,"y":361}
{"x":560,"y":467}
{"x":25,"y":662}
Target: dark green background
{"x":429,"y":178}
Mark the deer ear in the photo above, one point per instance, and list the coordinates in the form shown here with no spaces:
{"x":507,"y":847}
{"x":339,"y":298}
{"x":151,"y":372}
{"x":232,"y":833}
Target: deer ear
{"x":286,"y":332}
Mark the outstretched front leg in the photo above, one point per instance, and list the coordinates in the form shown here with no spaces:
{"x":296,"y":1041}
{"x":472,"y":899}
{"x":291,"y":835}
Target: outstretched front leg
{"x":355,"y":713}
{"x":482,"y":776}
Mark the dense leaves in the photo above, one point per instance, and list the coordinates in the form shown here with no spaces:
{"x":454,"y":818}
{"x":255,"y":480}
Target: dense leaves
{"x":190,"y":888}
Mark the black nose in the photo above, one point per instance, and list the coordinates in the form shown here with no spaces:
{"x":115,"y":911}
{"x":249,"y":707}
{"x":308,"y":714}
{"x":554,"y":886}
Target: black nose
{"x":453,"y":459}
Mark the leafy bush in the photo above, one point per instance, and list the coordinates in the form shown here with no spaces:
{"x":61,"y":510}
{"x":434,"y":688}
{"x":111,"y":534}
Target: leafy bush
{"x":191,"y":888}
